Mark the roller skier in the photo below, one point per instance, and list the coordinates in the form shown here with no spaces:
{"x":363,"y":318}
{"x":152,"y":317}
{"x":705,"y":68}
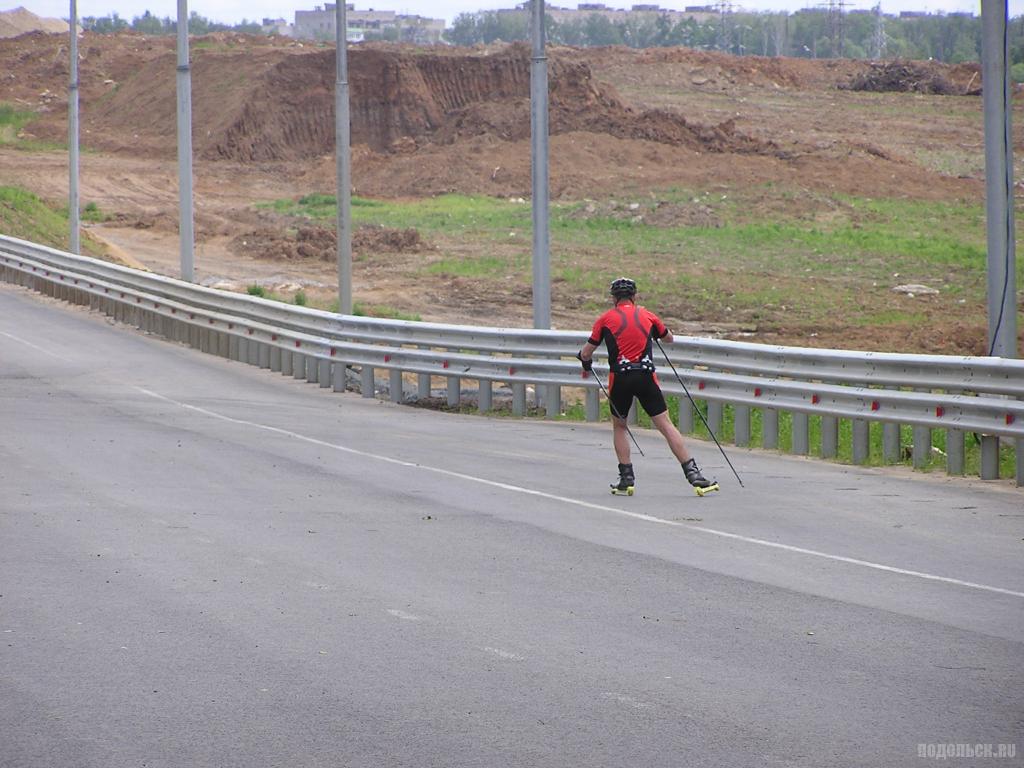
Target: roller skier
{"x":628,"y":330}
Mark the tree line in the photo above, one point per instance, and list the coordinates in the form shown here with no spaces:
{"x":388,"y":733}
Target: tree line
{"x":810,"y":34}
{"x":954,"y":38}
{"x":150,"y":24}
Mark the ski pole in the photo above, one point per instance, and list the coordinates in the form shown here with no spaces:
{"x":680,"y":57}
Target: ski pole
{"x":615,"y":411}
{"x":710,"y":431}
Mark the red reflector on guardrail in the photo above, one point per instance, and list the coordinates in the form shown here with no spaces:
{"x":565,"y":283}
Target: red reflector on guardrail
{"x":444,"y":364}
{"x":940,"y":411}
{"x":1010,"y":418}
{"x":387,"y":358}
{"x":511,"y":371}
{"x":875,"y":405}
{"x":700,"y":385}
{"x":815,"y":399}
{"x":757,"y":391}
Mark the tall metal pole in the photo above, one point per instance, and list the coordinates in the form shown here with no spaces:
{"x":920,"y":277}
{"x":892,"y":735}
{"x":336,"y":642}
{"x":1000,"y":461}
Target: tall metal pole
{"x":73,"y":203}
{"x":186,"y":237}
{"x":539,"y":165}
{"x":1002,"y":272}
{"x":342,"y":141}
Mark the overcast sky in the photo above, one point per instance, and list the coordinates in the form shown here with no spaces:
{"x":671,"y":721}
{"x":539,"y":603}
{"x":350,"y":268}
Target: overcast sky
{"x":233,"y":11}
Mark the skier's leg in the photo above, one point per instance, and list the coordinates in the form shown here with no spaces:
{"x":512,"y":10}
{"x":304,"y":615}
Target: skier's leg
{"x":620,"y":439}
{"x":675,"y":440}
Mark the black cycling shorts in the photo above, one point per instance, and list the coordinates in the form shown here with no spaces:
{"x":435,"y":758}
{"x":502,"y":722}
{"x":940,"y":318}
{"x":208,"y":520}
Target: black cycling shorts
{"x":642,"y":386}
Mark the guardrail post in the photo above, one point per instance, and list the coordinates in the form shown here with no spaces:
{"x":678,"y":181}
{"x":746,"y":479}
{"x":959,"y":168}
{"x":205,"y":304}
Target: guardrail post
{"x":922,"y":452}
{"x":592,"y":406}
{"x":485,"y":395}
{"x":312,"y":370}
{"x":395,"y":385}
{"x":254,"y":352}
{"x":891,"y":447}
{"x":715,"y":410}
{"x":454,"y":391}
{"x":264,"y":355}
{"x":339,"y":376}
{"x":241,"y":349}
{"x":770,"y":429}
{"x":801,"y":434}
{"x":829,"y":437}
{"x":287,"y":363}
{"x":686,"y":416}
{"x":422,"y":386}
{"x":223,"y":341}
{"x":741,"y":431}
{"x":861,"y":441}
{"x":518,"y":398}
{"x":298,"y":366}
{"x":553,"y":401}
{"x":954,"y":451}
{"x":989,"y":457}
{"x":323,"y":372}
{"x":275,"y":359}
{"x":366,"y":381}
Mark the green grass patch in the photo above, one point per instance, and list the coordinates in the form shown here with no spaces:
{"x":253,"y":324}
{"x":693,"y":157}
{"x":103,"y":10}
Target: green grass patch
{"x":12,"y":120}
{"x":772,"y":255}
{"x":26,"y":216}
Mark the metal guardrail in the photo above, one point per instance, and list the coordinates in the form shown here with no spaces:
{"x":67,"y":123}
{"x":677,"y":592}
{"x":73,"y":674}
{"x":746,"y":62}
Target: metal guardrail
{"x":957,"y":394}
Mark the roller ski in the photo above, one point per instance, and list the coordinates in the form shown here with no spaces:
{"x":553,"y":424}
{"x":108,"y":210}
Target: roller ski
{"x":627,"y":482}
{"x":700,"y":484}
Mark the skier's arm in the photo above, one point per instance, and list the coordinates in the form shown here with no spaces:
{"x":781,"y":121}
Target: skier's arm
{"x":586,"y":355}
{"x":659,"y":330}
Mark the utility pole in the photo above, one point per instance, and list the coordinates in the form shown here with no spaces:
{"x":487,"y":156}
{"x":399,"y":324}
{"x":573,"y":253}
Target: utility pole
{"x":342,"y":140}
{"x":1002,"y":271}
{"x":73,"y":202}
{"x":539,"y":166}
{"x":186,"y":236}
{"x":1002,"y":289}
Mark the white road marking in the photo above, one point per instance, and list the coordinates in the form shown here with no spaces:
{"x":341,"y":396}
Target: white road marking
{"x":399,"y":614}
{"x":629,"y":701}
{"x":590,"y":505}
{"x":507,"y":655}
{"x":33,"y":346}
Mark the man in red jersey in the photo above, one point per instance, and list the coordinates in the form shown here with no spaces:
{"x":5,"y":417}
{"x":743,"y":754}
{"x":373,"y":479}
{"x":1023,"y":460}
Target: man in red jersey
{"x":628,"y":330}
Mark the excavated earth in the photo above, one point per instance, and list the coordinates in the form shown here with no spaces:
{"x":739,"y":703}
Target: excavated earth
{"x":431,"y":121}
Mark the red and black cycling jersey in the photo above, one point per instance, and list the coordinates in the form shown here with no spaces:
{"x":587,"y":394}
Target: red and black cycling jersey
{"x":627,"y":330}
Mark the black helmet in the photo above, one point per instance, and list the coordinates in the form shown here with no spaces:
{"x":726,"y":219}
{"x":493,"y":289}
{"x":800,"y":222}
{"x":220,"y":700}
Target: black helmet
{"x":622,"y":288}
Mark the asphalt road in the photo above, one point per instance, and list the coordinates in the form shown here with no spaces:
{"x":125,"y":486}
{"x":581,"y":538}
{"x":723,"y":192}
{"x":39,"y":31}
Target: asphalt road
{"x":205,"y":564}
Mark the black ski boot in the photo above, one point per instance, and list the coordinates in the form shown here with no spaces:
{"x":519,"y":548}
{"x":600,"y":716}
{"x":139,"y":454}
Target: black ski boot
{"x":694,"y":477}
{"x":626,"y":484}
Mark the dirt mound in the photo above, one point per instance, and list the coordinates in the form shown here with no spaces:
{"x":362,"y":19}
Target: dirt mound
{"x":19,"y":21}
{"x":401,"y":100}
{"x":906,"y":77}
{"x":321,"y":243}
{"x":266,"y":103}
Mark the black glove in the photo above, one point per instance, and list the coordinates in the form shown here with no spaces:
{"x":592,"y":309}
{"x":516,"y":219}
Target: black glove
{"x":587,"y":364}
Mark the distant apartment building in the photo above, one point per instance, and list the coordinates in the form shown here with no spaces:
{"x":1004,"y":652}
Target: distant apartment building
{"x":319,"y":24}
{"x":276,"y":27}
